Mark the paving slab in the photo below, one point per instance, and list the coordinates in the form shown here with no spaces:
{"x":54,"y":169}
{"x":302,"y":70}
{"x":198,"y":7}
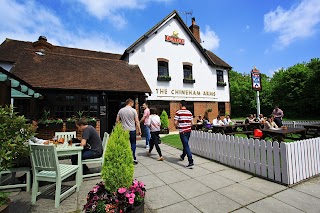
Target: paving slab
{"x":147,"y":161}
{"x":184,"y":207}
{"x":214,"y":202}
{"x":159,"y":167}
{"x":271,"y":205}
{"x":242,"y":210}
{"x":234,"y":175}
{"x":241,"y":194}
{"x":172,"y":176}
{"x":197,"y":171}
{"x":166,"y":147}
{"x":263,"y":186}
{"x":300,"y":200}
{"x":141,"y":171}
{"x":198,"y":160}
{"x":190,"y":188}
{"x":213,"y":166}
{"x":161,"y":197}
{"x":311,"y":187}
{"x":151,"y":181}
{"x":174,"y":151}
{"x":214,"y":181}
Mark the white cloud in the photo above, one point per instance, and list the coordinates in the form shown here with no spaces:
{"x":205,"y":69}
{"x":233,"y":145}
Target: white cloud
{"x":27,"y":21}
{"x":209,"y":39}
{"x":298,"y":22}
{"x":110,"y":9}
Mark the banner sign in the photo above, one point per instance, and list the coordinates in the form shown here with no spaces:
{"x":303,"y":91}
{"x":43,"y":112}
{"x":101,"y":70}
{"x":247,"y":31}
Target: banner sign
{"x":256,"y":80}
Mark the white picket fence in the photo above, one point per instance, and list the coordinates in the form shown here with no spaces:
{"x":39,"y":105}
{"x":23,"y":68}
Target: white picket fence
{"x":288,"y":163}
{"x":298,"y":124}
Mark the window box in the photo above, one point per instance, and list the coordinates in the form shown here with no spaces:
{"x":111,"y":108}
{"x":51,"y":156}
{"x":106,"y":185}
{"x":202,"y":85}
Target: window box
{"x":189,"y":81}
{"x":221,"y":84}
{"x":164,"y":78}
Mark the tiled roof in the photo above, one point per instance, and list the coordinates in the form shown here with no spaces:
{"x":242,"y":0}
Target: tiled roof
{"x":211,"y":57}
{"x":10,"y":50}
{"x":62,"y":71}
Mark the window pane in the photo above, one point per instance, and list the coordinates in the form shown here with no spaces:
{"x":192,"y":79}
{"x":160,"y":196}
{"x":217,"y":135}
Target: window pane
{"x":220,"y":76}
{"x":163,"y":68}
{"x":222,"y":108}
{"x":187,"y":72}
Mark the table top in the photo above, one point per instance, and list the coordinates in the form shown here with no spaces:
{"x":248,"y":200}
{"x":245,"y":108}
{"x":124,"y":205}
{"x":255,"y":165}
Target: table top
{"x":312,"y":126}
{"x":289,"y":130}
{"x":66,"y":147}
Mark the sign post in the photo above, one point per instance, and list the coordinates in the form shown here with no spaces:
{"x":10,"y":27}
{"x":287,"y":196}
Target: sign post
{"x":256,"y":85}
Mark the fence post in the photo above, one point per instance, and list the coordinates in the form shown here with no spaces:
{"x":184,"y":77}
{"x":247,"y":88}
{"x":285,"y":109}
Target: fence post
{"x":294,"y":124}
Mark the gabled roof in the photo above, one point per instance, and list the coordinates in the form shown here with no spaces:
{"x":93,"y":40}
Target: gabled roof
{"x":62,"y":71}
{"x":10,"y":50}
{"x":213,"y":60}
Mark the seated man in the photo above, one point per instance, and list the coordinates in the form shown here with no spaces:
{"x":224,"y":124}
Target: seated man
{"x":270,"y":124}
{"x":217,"y":121}
{"x":90,"y":141}
{"x":34,"y":139}
{"x":262,"y":120}
{"x":227,"y":120}
{"x":249,"y":119}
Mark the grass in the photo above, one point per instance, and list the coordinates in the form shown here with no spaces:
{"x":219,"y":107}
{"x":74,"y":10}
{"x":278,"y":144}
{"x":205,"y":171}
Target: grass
{"x":172,"y":140}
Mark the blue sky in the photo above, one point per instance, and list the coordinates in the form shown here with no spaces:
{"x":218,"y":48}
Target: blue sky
{"x":268,"y":34}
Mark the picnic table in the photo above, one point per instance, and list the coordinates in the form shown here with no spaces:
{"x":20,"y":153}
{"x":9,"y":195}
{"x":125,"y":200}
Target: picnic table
{"x":280,"y":134}
{"x":313,"y":128}
{"x":227,"y":128}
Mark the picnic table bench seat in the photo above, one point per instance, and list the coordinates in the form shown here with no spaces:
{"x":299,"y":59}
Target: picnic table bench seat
{"x":13,"y":172}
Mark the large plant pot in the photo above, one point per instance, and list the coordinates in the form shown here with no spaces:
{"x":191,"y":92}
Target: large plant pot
{"x":138,"y":209}
{"x":4,"y":208}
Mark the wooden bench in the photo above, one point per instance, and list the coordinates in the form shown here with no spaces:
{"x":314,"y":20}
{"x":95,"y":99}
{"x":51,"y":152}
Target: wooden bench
{"x":13,"y":172}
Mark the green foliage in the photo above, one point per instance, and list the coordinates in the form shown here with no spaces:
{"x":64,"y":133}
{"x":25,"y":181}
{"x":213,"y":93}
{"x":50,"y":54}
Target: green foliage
{"x":118,"y":169}
{"x":14,"y":134}
{"x":4,"y":198}
{"x":164,"y":119}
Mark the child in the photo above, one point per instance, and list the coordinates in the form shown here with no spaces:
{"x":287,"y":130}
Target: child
{"x":154,"y":124}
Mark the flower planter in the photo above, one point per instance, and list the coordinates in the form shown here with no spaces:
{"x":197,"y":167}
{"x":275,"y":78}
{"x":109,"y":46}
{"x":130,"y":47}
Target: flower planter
{"x":138,"y":209}
{"x":164,"y":78}
{"x":5,"y":208}
{"x":189,"y":81}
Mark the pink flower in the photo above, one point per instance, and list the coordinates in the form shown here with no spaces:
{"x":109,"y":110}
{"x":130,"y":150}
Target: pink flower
{"x":122,"y":190}
{"x":131,"y":200}
{"x":95,"y":189}
{"x":141,"y":184}
{"x":127,"y":195}
{"x":132,"y":195}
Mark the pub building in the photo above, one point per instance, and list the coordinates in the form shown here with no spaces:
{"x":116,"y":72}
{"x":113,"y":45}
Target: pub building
{"x":165,"y":65}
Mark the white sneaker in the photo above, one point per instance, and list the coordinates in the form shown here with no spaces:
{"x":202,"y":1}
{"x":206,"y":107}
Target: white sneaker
{"x":147,"y":147}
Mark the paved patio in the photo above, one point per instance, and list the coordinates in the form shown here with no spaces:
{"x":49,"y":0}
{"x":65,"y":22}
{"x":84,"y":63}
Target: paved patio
{"x":209,"y":187}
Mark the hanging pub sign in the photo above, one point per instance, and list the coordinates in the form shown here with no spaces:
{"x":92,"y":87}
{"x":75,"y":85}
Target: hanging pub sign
{"x":174,"y":38}
{"x":256,"y":79}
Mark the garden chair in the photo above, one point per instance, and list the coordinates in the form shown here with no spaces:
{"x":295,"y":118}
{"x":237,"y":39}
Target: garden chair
{"x":13,"y":172}
{"x":66,"y":135}
{"x":97,"y":160}
{"x":46,"y":167}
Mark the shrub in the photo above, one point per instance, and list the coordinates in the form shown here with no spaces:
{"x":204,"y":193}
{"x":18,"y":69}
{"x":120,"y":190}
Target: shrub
{"x":14,"y":134}
{"x":117,"y":170}
{"x":164,"y":119}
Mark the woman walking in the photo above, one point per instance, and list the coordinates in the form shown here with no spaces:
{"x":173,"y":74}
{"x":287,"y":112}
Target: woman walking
{"x":154,"y":124}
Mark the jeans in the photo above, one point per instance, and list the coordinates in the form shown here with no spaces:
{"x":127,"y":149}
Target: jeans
{"x":86,"y":154}
{"x":147,"y":133}
{"x":186,"y":149}
{"x":133,"y":140}
{"x":154,"y":141}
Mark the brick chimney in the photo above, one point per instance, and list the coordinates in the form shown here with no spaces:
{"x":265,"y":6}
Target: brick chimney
{"x":195,"y":29}
{"x":42,"y":44}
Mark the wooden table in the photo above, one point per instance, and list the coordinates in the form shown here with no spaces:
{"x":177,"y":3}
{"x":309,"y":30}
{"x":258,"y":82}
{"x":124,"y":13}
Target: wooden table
{"x":280,"y":134}
{"x":227,"y":128}
{"x":66,"y":150}
{"x":254,"y":125}
{"x":314,"y":128}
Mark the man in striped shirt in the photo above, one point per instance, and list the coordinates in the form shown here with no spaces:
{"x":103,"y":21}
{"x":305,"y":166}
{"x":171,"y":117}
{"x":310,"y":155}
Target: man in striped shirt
{"x":183,"y":121}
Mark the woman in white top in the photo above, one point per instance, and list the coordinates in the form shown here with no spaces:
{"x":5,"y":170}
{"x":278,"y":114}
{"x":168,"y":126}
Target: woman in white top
{"x":154,"y":123}
{"x":217,"y":121}
{"x":227,"y":120}
{"x":270,"y":124}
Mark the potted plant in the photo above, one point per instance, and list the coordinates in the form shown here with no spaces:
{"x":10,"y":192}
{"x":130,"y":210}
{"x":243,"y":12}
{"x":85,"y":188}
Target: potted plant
{"x":118,"y":192}
{"x":4,"y":202}
{"x":70,"y":123}
{"x":164,"y":123}
{"x":14,"y":134}
{"x":92,"y":121}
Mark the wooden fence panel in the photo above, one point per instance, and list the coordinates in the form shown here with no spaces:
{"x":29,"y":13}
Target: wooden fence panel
{"x":284,"y":163}
{"x":251,"y":156}
{"x":246,"y":155}
{"x":270,"y":161}
{"x":290,"y":162}
{"x":264,"y":171}
{"x":236,"y":150}
{"x":257,"y":156}
{"x":276,"y":160}
{"x":241,"y":154}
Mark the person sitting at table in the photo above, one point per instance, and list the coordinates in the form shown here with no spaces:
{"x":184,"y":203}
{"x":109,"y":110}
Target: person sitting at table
{"x":200,"y":120}
{"x":249,"y":119}
{"x":270,"y":124}
{"x":262,"y":120}
{"x":227,"y":120}
{"x":33,"y":139}
{"x":206,"y":123}
{"x":217,"y":121}
{"x":91,"y":142}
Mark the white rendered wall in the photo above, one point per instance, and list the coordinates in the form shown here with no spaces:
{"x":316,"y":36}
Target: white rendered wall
{"x":205,"y":87}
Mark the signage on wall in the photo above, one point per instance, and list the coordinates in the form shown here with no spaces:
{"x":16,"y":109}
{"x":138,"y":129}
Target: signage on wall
{"x":256,"y":80}
{"x":174,"y":38}
{"x":186,"y":92}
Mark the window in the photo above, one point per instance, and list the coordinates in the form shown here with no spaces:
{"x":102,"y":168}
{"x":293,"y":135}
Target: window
{"x":160,"y":106}
{"x":220,"y":76}
{"x":163,"y":69}
{"x":222,"y":108}
{"x":187,"y":72}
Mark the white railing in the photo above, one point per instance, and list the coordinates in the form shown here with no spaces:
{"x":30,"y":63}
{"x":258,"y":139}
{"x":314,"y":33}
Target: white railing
{"x":288,"y":163}
{"x":298,"y":124}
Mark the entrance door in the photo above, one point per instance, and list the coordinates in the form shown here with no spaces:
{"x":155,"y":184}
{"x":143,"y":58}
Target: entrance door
{"x":113,"y":107}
